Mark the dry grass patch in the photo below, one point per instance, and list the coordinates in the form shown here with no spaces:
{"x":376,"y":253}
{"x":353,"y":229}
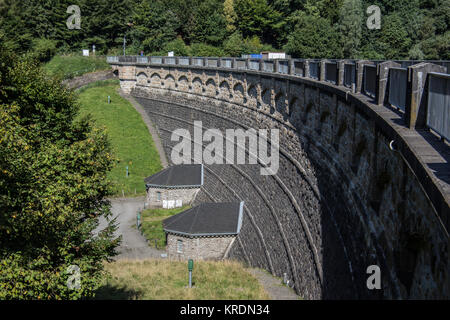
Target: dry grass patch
{"x":157,"y":279}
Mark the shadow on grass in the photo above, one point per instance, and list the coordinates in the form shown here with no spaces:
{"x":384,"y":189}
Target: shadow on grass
{"x":111,"y":292}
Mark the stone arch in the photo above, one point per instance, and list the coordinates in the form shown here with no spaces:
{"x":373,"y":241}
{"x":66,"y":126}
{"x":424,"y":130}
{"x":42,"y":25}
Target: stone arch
{"x":342,"y":129}
{"x":238,"y":93}
{"x":141,"y":78}
{"x":266,"y":99}
{"x":280,"y":104}
{"x":155,"y":80}
{"x":169,"y":81}
{"x":358,"y":151}
{"x":252,"y":96}
{"x":197,"y":85}
{"x":224,"y":90}
{"x":183,"y":83}
{"x":210,"y":87}
{"x":292,"y":106}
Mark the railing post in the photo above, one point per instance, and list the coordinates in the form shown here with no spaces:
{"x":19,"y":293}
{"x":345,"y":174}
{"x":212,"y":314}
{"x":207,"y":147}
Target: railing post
{"x":322,"y":70}
{"x":291,"y":66}
{"x":383,"y":77}
{"x":340,"y":77}
{"x":306,"y":72}
{"x":360,"y":73}
{"x":416,"y":101}
{"x":233,"y":63}
{"x":276,"y":66}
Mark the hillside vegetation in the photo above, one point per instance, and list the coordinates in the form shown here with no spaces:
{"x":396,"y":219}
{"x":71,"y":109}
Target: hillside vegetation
{"x":130,"y":139}
{"x":413,"y":29}
{"x":70,"y":66}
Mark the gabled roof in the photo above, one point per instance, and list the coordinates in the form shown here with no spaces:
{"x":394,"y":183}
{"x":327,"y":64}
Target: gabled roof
{"x":207,"y":219}
{"x":183,"y":175}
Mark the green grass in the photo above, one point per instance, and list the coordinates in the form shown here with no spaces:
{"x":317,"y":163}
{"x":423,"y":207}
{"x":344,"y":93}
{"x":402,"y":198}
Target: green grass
{"x":158,"y":279}
{"x":67,"y":67}
{"x":128,"y":134}
{"x":151,"y":224}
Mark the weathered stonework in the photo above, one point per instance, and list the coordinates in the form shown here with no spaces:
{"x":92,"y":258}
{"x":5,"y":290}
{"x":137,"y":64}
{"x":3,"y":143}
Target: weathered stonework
{"x":186,"y":195}
{"x":342,"y":199}
{"x":198,"y":248}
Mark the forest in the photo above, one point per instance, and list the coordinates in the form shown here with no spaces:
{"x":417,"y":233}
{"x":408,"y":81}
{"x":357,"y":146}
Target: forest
{"x":411,"y":29}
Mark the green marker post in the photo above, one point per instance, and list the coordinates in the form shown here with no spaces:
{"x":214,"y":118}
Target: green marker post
{"x":190,"y":268}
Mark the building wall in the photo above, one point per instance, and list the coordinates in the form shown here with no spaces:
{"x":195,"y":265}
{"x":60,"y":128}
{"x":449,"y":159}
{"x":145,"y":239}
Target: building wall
{"x":186,"y":195}
{"x":341,"y":200}
{"x":198,"y":248}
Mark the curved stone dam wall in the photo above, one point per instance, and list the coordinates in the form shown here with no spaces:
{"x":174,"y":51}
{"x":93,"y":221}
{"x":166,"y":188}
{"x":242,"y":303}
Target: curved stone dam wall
{"x":342,"y":199}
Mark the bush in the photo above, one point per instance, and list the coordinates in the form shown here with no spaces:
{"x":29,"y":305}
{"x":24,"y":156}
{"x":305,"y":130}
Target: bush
{"x":43,"y":49}
{"x":178,"y":47}
{"x":205,"y":50}
{"x":236,"y":45}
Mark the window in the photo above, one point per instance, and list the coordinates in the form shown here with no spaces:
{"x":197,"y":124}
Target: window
{"x":180,"y":246}
{"x":158,"y":196}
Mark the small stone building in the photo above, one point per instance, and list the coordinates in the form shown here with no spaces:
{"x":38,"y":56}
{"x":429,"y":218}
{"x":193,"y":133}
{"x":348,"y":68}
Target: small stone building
{"x":174,"y":186}
{"x":203,"y":232}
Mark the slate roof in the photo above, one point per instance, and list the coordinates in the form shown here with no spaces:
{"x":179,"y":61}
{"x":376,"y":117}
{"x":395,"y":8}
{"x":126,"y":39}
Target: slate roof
{"x":183,"y":175}
{"x":207,"y":219}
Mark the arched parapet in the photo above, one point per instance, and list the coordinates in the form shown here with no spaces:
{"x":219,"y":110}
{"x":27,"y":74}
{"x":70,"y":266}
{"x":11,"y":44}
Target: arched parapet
{"x":210,"y":87}
{"x":183,"y":83}
{"x":169,"y":82}
{"x":155,"y":80}
{"x":197,"y":85}
{"x":142,"y":78}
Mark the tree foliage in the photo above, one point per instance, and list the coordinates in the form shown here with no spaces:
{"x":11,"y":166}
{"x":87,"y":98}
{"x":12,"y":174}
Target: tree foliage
{"x":53,"y":187}
{"x":409,"y":29}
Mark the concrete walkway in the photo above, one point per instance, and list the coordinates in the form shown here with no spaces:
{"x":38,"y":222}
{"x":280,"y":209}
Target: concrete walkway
{"x":150,"y":126}
{"x":273,"y":286}
{"x":134,"y":245}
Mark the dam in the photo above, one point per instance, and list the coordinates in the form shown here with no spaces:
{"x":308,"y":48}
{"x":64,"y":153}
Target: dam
{"x":363,"y":175}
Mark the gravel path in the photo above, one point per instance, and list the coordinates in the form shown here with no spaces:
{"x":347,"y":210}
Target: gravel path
{"x":134,"y":245}
{"x":273,"y":285}
{"x":150,"y":126}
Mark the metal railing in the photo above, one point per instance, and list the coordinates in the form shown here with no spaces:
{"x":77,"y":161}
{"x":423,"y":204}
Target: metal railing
{"x":438,"y":113}
{"x":349,"y":75}
{"x":314,"y":70}
{"x":437,"y":117}
{"x":398,"y":81}
{"x":283,"y":66}
{"x":331,"y":72}
{"x":268,"y":66}
{"x":370,"y":80}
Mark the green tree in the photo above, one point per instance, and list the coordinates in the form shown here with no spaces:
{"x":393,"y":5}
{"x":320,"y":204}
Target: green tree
{"x":53,"y":187}
{"x":230,"y":15}
{"x":394,"y":40}
{"x":153,"y":25}
{"x":350,"y":27}
{"x":313,"y":37}
{"x":257,"y":18}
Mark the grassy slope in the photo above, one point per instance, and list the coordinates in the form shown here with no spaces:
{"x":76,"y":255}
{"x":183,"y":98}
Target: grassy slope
{"x":128,"y":134}
{"x":151,"y":224}
{"x":167,"y":280}
{"x":68,"y":67}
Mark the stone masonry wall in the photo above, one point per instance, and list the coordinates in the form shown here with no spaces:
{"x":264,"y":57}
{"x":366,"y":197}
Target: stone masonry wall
{"x":198,"y":248}
{"x":341,"y":200}
{"x":187,"y":195}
